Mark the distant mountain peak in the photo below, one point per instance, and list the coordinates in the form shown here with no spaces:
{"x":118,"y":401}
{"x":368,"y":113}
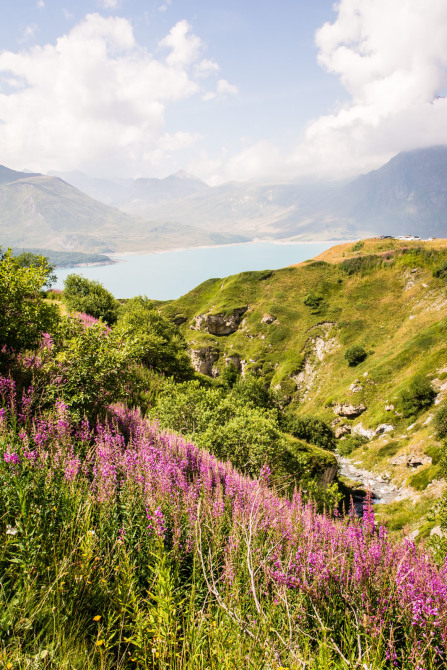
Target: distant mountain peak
{"x":7,"y":175}
{"x":182,"y":174}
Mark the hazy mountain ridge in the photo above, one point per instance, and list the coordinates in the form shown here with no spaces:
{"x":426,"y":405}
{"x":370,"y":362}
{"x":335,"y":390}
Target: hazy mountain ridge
{"x":408,"y":195}
{"x":44,"y":211}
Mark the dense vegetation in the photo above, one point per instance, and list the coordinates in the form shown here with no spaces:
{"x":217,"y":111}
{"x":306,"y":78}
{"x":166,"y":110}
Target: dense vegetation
{"x":128,"y":546}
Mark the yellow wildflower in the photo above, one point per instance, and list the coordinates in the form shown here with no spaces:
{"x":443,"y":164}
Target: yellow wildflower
{"x":97,"y":617}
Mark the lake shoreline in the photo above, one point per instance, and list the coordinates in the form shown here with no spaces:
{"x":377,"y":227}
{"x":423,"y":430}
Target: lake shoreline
{"x":167,"y":275}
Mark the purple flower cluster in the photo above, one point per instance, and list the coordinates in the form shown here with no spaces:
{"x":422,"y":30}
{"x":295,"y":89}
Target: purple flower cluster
{"x":296,"y":556}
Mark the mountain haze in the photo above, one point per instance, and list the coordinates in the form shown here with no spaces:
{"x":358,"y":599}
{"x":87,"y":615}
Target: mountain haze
{"x":408,"y":195}
{"x":44,"y":211}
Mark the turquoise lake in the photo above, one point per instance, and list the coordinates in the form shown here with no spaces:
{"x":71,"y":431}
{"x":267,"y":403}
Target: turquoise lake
{"x":168,"y":275}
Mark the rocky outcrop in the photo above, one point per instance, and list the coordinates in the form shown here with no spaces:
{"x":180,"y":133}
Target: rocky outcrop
{"x":328,"y":476}
{"x":341,"y":430}
{"x":203,"y":360}
{"x":315,"y":350}
{"x":359,"y":429}
{"x":349,"y":411}
{"x":411,"y":460}
{"x":221,"y":323}
{"x":268,"y":319}
{"x":384,"y":428}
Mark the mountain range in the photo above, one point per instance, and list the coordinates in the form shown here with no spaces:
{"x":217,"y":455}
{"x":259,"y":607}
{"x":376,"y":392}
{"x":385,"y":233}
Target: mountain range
{"x":69,"y":210}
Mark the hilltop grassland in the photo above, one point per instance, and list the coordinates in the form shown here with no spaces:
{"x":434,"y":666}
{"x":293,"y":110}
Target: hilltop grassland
{"x":385,"y":296}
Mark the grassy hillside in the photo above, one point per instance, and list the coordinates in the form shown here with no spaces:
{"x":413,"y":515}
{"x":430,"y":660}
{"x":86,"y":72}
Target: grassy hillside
{"x":299,"y":322}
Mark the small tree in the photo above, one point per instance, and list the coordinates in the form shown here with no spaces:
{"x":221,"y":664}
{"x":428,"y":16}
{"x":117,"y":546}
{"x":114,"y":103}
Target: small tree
{"x":161,"y":345}
{"x":419,"y":395}
{"x":355,"y":355}
{"x":89,"y":368}
{"x":90,"y":297}
{"x":311,"y":430}
{"x":24,"y":314}
{"x":440,"y":422}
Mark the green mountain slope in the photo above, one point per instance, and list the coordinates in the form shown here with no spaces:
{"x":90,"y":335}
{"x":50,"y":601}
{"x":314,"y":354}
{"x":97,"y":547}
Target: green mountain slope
{"x":293,"y":326}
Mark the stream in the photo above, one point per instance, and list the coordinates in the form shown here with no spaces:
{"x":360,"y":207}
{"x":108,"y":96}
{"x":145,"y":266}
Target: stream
{"x":382,"y":491}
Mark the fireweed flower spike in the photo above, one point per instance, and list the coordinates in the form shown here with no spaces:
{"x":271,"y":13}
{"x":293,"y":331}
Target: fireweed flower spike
{"x":290,"y":555}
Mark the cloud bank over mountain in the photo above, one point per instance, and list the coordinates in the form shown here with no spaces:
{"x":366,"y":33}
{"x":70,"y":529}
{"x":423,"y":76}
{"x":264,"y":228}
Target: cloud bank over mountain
{"x":391,"y":58}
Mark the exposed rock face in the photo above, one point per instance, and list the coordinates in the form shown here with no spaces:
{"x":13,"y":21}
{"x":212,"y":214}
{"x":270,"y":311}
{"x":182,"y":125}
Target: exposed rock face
{"x":219,"y":324}
{"x":317,"y":347}
{"x":268,"y":319}
{"x":203,"y":360}
{"x":411,"y":460}
{"x":355,"y":388}
{"x":328,"y":476}
{"x":341,"y":430}
{"x":384,"y":428}
{"x":349,"y":411}
{"x":359,"y":429}
{"x":389,"y":408}
{"x":178,"y":320}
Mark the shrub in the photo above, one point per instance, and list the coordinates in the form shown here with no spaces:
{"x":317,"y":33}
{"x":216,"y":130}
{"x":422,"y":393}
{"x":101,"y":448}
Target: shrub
{"x":346,"y":447}
{"x":24,"y":314}
{"x":311,"y":430}
{"x":313,"y":300}
{"x":162,"y":346}
{"x":440,"y":422}
{"x":358,"y":245}
{"x":441,"y":271}
{"x":88,"y":368}
{"x":355,"y":355}
{"x":360,"y":264}
{"x":417,"y":397}
{"x":90,"y":297}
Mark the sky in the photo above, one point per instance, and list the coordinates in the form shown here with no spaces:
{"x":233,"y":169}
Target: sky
{"x":224,"y":90}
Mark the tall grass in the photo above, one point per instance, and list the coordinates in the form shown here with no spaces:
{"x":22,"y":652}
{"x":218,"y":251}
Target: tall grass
{"x":127,"y":547}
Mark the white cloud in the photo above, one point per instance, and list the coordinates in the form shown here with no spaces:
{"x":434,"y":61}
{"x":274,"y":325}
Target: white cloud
{"x":391,"y":57}
{"x":185,"y":48}
{"x":96,"y":99}
{"x":206,"y":67}
{"x":109,"y":4}
{"x":40,"y":4}
{"x":29,"y":32}
{"x":163,"y":7}
{"x":223,"y":90}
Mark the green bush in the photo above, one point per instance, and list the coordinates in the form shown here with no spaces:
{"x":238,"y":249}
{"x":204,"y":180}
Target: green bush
{"x":88,"y":368}
{"x":355,"y":355}
{"x":346,"y":447}
{"x":440,"y":422}
{"x":358,"y":245}
{"x":311,"y":430}
{"x":441,"y":271}
{"x":313,"y":300}
{"x":90,"y":297}
{"x":417,"y":397}
{"x":161,"y":345}
{"x":24,"y":314}
{"x":360,"y":264}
